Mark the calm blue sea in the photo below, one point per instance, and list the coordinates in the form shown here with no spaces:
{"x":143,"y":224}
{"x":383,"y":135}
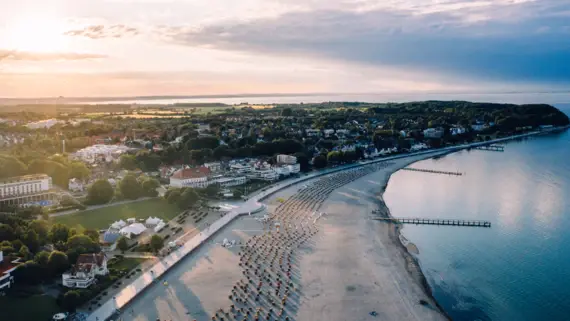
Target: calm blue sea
{"x":520,"y":268}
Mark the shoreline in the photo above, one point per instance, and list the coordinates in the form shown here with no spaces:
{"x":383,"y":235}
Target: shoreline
{"x":396,"y":237}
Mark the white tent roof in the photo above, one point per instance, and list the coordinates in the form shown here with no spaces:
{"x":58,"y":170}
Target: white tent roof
{"x":152,"y":221}
{"x":136,"y":229}
{"x":118,"y":224}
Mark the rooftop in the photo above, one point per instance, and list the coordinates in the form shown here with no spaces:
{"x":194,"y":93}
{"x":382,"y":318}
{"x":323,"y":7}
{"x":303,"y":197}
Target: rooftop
{"x":23,"y":178}
{"x":192,"y":173}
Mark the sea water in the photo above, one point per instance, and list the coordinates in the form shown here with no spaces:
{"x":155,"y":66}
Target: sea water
{"x":519,"y":269}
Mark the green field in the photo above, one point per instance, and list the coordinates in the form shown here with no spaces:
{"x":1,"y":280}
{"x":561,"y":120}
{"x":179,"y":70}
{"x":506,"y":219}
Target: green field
{"x":101,"y":218}
{"x":127,"y":263}
{"x":37,"y":307}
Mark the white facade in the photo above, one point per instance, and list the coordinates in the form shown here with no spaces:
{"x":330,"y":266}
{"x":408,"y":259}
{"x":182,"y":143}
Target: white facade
{"x":228,"y":181}
{"x":265,"y":174}
{"x":97,"y":152}
{"x":433,"y":133}
{"x":43,"y":124}
{"x":24,"y":189}
{"x":286,"y":159}
{"x":195,"y":182}
{"x":83,"y":274}
{"x":214,"y":167}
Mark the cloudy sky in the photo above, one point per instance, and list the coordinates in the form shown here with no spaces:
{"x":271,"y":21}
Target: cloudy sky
{"x":193,"y":47}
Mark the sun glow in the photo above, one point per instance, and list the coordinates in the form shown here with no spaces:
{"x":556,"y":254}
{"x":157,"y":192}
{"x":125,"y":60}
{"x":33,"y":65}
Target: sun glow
{"x":35,"y":33}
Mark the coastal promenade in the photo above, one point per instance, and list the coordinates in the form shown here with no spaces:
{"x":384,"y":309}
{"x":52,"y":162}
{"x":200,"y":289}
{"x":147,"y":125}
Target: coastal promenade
{"x":253,"y":205}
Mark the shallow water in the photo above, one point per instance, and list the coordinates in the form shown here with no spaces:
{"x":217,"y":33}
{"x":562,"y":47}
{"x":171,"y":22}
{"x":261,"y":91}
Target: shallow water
{"x":519,"y":269}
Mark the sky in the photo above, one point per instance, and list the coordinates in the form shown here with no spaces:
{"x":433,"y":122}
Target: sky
{"x":80,"y":48}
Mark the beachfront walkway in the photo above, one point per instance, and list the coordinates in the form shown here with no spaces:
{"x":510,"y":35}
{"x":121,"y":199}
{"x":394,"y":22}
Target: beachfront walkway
{"x":251,"y":206}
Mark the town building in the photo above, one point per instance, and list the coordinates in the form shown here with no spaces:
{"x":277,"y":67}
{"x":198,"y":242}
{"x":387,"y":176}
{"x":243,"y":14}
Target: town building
{"x":83,"y":274}
{"x":7,"y":266}
{"x":214,"y":167}
{"x":100,"y":153}
{"x":26,"y":190}
{"x":433,"y":133}
{"x":191,"y":177}
{"x":286,"y":159}
{"x":47,"y":123}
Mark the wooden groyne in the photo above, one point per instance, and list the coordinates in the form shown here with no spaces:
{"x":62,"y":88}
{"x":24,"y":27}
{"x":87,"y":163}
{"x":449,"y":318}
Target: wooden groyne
{"x":434,"y":221}
{"x":432,"y":171}
{"x":493,"y":148}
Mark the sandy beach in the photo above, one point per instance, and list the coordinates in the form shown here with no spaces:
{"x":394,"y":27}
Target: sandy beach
{"x":346,"y":267}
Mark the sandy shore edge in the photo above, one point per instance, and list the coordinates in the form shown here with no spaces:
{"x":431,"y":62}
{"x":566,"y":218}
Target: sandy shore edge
{"x":412,"y":263}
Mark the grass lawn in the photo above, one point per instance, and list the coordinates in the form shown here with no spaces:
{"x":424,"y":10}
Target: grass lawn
{"x":101,"y":218}
{"x":37,"y":308}
{"x":127,"y":263}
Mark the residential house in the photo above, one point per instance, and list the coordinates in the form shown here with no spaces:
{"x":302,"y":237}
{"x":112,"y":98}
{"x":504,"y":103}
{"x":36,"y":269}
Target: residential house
{"x":83,"y":274}
{"x":7,"y":266}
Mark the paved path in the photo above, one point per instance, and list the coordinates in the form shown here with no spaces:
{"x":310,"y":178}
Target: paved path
{"x":123,"y":297}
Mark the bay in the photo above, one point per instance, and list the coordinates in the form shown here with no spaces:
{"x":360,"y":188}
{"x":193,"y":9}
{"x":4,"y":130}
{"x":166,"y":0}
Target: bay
{"x":519,"y":269}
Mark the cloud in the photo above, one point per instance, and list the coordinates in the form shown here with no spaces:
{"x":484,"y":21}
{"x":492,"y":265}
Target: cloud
{"x":102,"y":31}
{"x":46,"y":56}
{"x":490,"y":40}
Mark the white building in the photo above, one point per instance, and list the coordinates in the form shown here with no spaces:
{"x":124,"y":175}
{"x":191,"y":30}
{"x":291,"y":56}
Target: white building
{"x":47,"y":123}
{"x":228,"y":181}
{"x":214,"y":167}
{"x":328,"y":132}
{"x":26,"y":189}
{"x":191,"y":177}
{"x":433,"y":133}
{"x":75,"y":185}
{"x":286,"y":159}
{"x":83,"y":273}
{"x":6,"y":269}
{"x":313,"y":132}
{"x":100,"y":152}
{"x":457,"y":131}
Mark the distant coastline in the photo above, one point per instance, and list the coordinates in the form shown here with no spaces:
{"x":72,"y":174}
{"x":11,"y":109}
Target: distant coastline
{"x":550,"y":97}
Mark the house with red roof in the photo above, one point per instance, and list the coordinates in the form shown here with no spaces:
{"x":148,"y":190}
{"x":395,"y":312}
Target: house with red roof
{"x":7,"y":266}
{"x":85,"y":271}
{"x":191,"y":177}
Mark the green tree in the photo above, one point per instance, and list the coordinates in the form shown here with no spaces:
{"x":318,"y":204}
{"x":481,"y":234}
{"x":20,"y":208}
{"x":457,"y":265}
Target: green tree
{"x":31,"y":240}
{"x":71,"y":300}
{"x":92,"y":234}
{"x":212,"y":190}
{"x":100,"y":192}
{"x":6,"y":232}
{"x":238,"y":194}
{"x":41,"y":228}
{"x":156,"y":243}
{"x":58,"y":262}
{"x":122,"y":244}
{"x":59,"y":233}
{"x":84,"y":243}
{"x":24,"y":253}
{"x":11,"y":166}
{"x":42,"y":258}
{"x":188,"y":198}
{"x":173,"y":196}
{"x":149,"y":187}
{"x":128,"y":162}
{"x":287,"y":112}
{"x":320,"y":162}
{"x":79,"y":170}
{"x":130,"y":187}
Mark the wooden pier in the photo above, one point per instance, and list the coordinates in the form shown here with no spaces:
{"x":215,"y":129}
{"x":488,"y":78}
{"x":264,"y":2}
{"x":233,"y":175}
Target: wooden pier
{"x":493,"y":148}
{"x":431,"y":171}
{"x":434,"y":221}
